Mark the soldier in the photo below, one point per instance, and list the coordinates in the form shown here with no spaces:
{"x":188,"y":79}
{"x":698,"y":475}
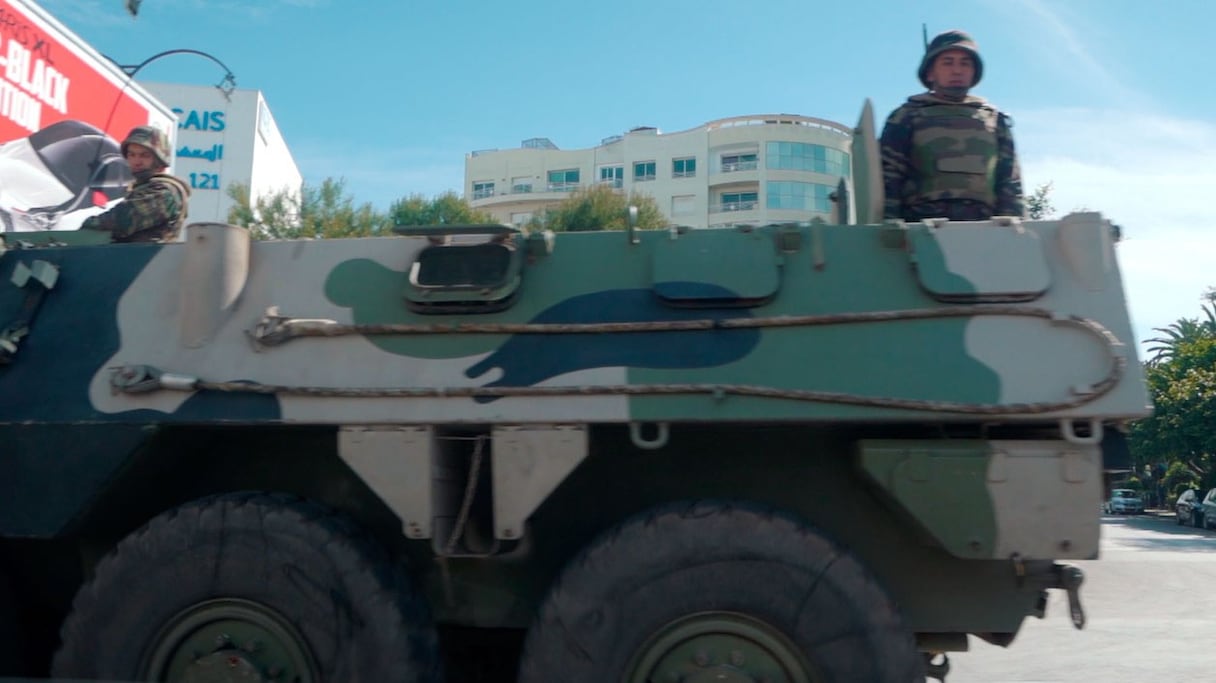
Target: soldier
{"x":946,"y":153}
{"x":155,"y":206}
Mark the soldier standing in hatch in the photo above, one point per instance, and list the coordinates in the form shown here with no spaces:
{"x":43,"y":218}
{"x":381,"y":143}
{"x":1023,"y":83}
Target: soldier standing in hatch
{"x":154,"y":209}
{"x":945,"y":153}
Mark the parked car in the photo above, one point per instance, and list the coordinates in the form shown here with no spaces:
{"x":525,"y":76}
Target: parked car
{"x":1127,"y":502}
{"x":1207,"y":510}
{"x":1189,"y":508}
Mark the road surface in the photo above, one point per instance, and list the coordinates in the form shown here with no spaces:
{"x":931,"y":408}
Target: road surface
{"x":1151,"y":604}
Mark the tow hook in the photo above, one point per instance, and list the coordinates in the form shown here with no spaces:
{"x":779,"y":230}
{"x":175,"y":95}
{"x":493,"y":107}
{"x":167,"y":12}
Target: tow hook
{"x":1069,"y":578}
{"x":142,"y":379}
{"x":937,"y":665}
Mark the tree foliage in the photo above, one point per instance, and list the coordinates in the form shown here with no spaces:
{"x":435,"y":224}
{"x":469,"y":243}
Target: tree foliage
{"x":445,"y":209}
{"x":602,"y":208}
{"x":1178,"y":478}
{"x":315,"y":212}
{"x":1038,"y":204}
{"x":327,"y":211}
{"x":1181,"y":377}
{"x":1182,"y":332}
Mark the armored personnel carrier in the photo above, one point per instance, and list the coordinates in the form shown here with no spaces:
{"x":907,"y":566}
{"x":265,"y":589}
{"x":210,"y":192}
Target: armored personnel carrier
{"x":801,"y":452}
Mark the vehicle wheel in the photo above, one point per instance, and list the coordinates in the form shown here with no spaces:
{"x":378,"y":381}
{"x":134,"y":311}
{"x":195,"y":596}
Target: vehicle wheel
{"x":253,"y":586}
{"x":717,"y":591}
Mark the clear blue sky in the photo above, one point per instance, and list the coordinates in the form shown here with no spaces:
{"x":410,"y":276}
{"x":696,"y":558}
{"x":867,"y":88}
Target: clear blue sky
{"x":1112,"y":99}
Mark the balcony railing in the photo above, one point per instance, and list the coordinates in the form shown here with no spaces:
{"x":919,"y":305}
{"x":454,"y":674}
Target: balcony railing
{"x":615,"y":183}
{"x":727,"y":207}
{"x":529,"y":189}
{"x":732,"y":167}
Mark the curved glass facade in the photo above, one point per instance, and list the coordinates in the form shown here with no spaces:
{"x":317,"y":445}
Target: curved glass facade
{"x":804,"y":156}
{"x":798,"y":196}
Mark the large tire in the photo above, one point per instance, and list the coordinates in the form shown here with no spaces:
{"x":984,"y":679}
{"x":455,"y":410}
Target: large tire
{"x":709,"y":591}
{"x":252,"y":584}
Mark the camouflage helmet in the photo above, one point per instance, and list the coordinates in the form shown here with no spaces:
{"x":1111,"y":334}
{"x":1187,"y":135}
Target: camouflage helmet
{"x":953,"y":39}
{"x":152,"y":138}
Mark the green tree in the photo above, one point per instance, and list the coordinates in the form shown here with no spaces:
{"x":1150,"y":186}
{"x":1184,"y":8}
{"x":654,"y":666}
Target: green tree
{"x":1182,"y":428}
{"x":1181,"y":332}
{"x":601,"y":208}
{"x":445,"y":209}
{"x":1038,"y":204}
{"x":274,"y":216}
{"x":1178,"y":478}
{"x":325,"y":211}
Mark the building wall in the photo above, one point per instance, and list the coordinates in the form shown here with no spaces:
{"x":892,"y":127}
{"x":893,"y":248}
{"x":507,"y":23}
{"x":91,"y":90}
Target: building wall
{"x":222,"y":140}
{"x":748,"y":169}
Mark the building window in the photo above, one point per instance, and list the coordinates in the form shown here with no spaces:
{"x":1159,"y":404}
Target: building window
{"x":802,"y":156}
{"x":521,"y":184}
{"x":738,"y":162}
{"x":613,"y":176}
{"x":737,"y":201}
{"x":798,"y":196}
{"x":483,"y":189}
{"x":565,"y":180}
{"x":521,"y":219}
{"x":683,"y":204}
{"x":684,"y":168}
{"x":643,"y":170}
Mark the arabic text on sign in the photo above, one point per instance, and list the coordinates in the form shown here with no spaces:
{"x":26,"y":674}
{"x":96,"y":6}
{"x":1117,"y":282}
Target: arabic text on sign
{"x":216,"y":153}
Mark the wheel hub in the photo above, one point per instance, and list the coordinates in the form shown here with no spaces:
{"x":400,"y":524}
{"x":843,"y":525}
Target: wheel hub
{"x":223,"y":667}
{"x":230,"y":641}
{"x":719,"y":647}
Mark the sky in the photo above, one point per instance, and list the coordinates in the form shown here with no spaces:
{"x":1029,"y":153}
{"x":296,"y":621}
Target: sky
{"x":1112,"y":100}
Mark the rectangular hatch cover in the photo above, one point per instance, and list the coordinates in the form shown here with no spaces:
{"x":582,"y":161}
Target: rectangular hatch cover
{"x":717,"y":267}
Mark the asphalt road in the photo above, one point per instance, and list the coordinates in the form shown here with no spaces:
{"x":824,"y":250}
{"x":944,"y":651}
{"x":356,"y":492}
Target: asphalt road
{"x":1151,"y":610}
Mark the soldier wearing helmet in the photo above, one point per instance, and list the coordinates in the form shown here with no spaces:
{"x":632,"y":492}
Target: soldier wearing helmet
{"x":155,"y":206}
{"x":947,"y":153}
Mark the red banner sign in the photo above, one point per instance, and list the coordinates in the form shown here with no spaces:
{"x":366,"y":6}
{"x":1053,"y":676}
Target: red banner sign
{"x":63,"y":109}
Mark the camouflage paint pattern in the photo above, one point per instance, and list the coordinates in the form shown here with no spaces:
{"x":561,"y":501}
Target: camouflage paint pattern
{"x":599,"y":277}
{"x":827,"y":350}
{"x":943,"y":158}
{"x":1031,"y":499}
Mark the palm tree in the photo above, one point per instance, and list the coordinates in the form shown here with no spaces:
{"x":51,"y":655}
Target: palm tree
{"x":1181,"y":332}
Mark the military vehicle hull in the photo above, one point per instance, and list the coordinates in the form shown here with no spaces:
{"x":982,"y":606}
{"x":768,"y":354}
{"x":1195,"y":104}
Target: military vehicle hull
{"x":911,"y":416}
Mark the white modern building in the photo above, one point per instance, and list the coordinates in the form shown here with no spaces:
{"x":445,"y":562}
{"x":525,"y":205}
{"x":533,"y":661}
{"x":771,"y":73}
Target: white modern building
{"x":222,"y":139}
{"x":760,"y":169}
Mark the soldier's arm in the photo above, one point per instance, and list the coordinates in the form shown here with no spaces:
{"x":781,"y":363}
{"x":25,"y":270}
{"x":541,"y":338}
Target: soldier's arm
{"x":147,"y":207}
{"x":896,"y":164}
{"x":1009,"y":200}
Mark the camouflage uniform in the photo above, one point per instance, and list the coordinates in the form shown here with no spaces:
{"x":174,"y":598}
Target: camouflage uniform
{"x":155,"y":207}
{"x":948,"y":154}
